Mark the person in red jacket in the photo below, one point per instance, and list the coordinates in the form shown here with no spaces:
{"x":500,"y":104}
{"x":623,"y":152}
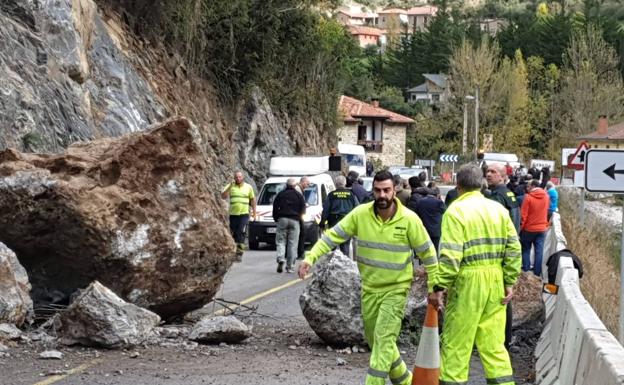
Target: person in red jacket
{"x":534,"y":224}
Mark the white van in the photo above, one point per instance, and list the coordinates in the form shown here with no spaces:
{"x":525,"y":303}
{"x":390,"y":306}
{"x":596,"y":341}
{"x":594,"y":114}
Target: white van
{"x":500,"y":158}
{"x":282,"y":168}
{"x":354,"y":157}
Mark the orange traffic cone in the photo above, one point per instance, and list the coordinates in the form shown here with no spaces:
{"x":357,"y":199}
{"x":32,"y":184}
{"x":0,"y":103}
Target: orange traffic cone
{"x":427,"y":367}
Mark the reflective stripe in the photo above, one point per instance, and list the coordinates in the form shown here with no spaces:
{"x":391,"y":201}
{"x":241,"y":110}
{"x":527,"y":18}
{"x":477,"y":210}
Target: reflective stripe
{"x":513,"y":239}
{"x":377,"y":373}
{"x":481,"y":257}
{"x":513,"y":255}
{"x":424,"y":247}
{"x":429,"y":261}
{"x":329,"y":242}
{"x":500,"y":380}
{"x":485,"y":241}
{"x":442,"y":382}
{"x":383,"y":265}
{"x":396,"y":363}
{"x":340,"y":232}
{"x":449,"y":261}
{"x":451,"y":246}
{"x":383,"y":246}
{"x":402,"y":378}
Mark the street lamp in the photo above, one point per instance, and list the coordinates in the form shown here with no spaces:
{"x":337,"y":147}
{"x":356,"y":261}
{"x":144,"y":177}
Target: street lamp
{"x":465,"y":131}
{"x":476,"y":124}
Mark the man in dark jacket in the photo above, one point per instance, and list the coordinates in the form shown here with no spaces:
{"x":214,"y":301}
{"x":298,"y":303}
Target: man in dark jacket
{"x":337,"y":205}
{"x":430,"y":210}
{"x":495,"y":178}
{"x":288,"y":207}
{"x":359,"y":190}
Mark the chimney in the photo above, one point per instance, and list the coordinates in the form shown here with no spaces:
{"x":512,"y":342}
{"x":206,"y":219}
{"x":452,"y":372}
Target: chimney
{"x":603,"y":125}
{"x":375,"y":102}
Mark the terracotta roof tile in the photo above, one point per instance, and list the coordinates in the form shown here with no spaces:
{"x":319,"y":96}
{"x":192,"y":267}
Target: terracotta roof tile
{"x":615,"y":132}
{"x":354,"y":109}
{"x":428,"y":10}
{"x":360,"y":30}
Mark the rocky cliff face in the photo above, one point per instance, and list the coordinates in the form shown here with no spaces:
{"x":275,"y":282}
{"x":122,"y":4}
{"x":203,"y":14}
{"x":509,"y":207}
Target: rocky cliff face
{"x":70,"y":71}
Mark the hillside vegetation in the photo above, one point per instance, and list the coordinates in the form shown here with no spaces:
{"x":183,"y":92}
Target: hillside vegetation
{"x":285,"y":47}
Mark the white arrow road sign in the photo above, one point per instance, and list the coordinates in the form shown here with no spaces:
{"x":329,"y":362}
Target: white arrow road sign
{"x":604,"y":171}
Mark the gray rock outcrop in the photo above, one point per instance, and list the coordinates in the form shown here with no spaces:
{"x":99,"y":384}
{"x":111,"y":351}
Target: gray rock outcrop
{"x":220,"y":329}
{"x":331,"y":301}
{"x":100,"y":318}
{"x":15,"y":303}
{"x":65,"y":77}
{"x":133,"y":212}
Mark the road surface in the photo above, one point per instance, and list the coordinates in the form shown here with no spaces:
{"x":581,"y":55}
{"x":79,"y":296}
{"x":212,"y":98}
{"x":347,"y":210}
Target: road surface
{"x":284,"y":350}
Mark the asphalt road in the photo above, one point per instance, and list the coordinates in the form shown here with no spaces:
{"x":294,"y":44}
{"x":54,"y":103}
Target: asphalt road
{"x":283,"y":350}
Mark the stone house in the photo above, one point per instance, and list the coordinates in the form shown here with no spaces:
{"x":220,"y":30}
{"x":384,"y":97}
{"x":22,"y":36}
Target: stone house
{"x":418,"y":18}
{"x":605,"y":137}
{"x":433,"y":91}
{"x":381,"y":132}
{"x":366,"y":36}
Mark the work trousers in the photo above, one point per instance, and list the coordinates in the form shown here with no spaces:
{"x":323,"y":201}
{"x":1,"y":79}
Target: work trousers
{"x":301,"y":242}
{"x":474,"y":314}
{"x":530,"y":239}
{"x":382,"y":314}
{"x":238,"y":227}
{"x":287,"y":239}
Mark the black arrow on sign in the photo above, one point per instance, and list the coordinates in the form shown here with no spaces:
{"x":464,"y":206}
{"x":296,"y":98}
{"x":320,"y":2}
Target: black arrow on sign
{"x":611,"y":171}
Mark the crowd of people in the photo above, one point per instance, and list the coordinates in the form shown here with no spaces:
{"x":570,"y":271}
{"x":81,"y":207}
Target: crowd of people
{"x":472,"y":245}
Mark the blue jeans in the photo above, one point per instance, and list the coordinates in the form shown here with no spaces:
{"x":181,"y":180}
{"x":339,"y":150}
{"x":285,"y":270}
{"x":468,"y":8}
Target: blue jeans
{"x":529,"y":239}
{"x":287,"y":238}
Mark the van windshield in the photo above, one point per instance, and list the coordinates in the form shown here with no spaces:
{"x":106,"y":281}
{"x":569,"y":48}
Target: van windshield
{"x":270,"y":191}
{"x":354,"y":159}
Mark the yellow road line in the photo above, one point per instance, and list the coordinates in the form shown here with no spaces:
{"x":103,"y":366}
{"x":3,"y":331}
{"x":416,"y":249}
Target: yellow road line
{"x":261,"y":295}
{"x":78,"y":369}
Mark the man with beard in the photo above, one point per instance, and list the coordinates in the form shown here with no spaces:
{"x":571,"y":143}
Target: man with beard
{"x":387,"y":235}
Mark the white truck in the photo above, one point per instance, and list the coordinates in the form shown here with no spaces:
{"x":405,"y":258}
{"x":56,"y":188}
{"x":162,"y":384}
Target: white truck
{"x":281,"y":168}
{"x":354,"y":157}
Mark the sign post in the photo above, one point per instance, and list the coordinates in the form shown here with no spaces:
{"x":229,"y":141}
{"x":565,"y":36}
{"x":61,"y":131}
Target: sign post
{"x":577,"y":162}
{"x":604,"y":172}
{"x":450,"y":158}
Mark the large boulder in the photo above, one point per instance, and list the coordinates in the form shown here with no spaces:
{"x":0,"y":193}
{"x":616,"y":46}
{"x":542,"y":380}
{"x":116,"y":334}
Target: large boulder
{"x":133,"y":212}
{"x":331,"y":301}
{"x":415,"y":309}
{"x":15,"y":303}
{"x":219,"y":329}
{"x":100,"y":318}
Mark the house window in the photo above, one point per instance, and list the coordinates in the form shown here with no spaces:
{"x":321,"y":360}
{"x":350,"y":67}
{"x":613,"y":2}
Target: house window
{"x":435,"y":97}
{"x":607,"y":146}
{"x":362,"y":132}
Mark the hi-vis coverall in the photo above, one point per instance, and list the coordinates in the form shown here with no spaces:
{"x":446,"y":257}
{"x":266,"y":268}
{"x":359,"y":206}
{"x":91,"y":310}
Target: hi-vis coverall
{"x":479,"y":258}
{"x":384,"y":257}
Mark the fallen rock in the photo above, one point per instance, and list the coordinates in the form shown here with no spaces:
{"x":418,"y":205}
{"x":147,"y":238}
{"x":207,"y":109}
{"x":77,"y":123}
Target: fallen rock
{"x":15,"y":303}
{"x":527,"y":300}
{"x":3,"y":348}
{"x":134,"y":212}
{"x":98,"y":317}
{"x":9,"y":332}
{"x":219,"y":330}
{"x":415,"y":309}
{"x":51,"y":355}
{"x":331,"y":301}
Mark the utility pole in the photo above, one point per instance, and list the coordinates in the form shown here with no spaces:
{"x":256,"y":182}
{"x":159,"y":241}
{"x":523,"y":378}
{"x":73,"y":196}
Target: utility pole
{"x":476,"y":138}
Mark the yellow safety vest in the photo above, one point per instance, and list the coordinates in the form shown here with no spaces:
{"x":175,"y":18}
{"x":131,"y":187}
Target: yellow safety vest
{"x":477,"y":232}
{"x":384,"y":249}
{"x":240,"y":196}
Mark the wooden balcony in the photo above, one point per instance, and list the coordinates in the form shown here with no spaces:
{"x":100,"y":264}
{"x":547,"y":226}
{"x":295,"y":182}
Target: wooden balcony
{"x":371,"y":145}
